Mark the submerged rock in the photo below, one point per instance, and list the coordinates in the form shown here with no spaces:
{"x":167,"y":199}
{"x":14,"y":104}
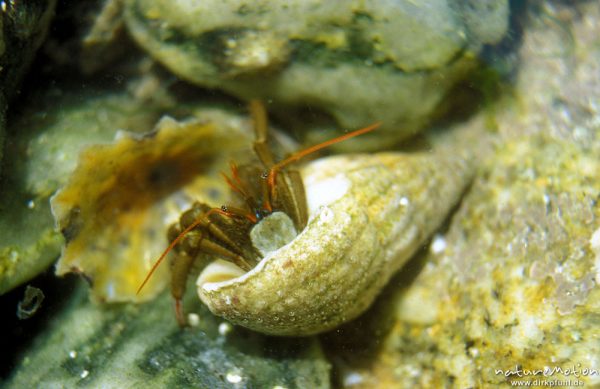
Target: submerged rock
{"x":359,"y":62}
{"x":45,"y":142}
{"x":512,"y":283}
{"x":23,"y":27}
{"x":511,"y":286}
{"x":128,"y":346}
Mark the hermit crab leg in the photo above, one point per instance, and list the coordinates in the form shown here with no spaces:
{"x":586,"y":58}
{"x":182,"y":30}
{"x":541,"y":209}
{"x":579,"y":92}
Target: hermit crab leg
{"x":261,"y":148}
{"x":291,"y":197}
{"x":272,"y":175}
{"x":238,"y":186}
{"x":179,"y":273}
{"x":201,"y":220}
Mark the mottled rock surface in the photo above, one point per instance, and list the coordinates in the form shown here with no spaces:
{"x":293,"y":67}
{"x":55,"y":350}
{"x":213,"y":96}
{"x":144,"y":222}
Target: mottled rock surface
{"x":509,"y":285}
{"x":91,"y":346}
{"x":359,"y":62}
{"x":512,"y":284}
{"x":23,"y":27}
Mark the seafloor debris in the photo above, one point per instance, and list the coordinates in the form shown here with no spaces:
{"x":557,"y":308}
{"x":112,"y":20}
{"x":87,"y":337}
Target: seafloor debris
{"x":32,"y":301}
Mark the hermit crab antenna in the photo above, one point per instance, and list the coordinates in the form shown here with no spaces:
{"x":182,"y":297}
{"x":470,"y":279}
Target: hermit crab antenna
{"x":303,"y":153}
{"x":173,"y":244}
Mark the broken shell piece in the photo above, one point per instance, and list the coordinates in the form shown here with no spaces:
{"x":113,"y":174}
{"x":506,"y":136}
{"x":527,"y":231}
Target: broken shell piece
{"x":117,"y":205}
{"x":369,"y":214}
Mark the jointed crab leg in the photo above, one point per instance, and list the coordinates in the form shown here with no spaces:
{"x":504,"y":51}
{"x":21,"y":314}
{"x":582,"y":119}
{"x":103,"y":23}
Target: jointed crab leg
{"x":207,"y":245}
{"x":272,"y":176}
{"x":179,"y":273}
{"x":261,"y":148}
{"x":229,"y":238}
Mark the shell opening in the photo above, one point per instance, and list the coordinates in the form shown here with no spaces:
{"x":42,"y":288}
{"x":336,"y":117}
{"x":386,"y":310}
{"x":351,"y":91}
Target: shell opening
{"x":273,"y":232}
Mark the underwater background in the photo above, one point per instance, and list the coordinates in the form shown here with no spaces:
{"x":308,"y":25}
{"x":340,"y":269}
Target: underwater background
{"x":455,"y":245}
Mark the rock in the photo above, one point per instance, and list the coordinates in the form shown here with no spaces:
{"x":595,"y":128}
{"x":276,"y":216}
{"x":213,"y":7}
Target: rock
{"x":511,"y":286}
{"x":126,"y":346}
{"x":23,"y":27}
{"x":358,"y":62}
{"x":45,"y":142}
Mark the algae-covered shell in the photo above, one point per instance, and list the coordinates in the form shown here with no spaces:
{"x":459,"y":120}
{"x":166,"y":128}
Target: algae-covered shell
{"x":118,"y":203}
{"x":369,"y":214}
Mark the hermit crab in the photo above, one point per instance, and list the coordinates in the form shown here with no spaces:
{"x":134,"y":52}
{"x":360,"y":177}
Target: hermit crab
{"x":298,"y":252}
{"x":271,"y":202}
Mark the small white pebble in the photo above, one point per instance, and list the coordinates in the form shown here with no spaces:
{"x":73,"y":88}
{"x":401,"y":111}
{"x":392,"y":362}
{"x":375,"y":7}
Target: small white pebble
{"x":234,"y":378}
{"x":84,"y":373}
{"x":404,"y":201}
{"x":438,"y":245}
{"x":224,"y":328}
{"x":595,"y":241}
{"x":474,"y":352}
{"x":546,"y":199}
{"x":73,"y":354}
{"x":326,"y":214}
{"x":31,"y":204}
{"x":193,"y":319}
{"x":353,"y":378}
{"x":595,"y":245}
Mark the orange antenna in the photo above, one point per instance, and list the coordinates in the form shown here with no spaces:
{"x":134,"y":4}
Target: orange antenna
{"x":303,"y":153}
{"x":173,"y":244}
{"x":271,"y":183}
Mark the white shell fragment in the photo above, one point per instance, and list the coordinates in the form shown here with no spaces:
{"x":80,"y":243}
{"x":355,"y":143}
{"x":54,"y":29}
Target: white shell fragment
{"x":387,"y":205}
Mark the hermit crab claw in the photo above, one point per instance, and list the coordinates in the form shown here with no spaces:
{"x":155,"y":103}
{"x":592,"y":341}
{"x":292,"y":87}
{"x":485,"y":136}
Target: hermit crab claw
{"x":368,"y":215}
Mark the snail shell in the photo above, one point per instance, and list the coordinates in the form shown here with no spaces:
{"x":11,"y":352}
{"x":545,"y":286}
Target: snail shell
{"x":368,"y":215}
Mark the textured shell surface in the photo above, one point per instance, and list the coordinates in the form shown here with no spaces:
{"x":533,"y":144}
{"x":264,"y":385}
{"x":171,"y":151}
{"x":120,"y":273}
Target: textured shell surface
{"x":368,"y":216}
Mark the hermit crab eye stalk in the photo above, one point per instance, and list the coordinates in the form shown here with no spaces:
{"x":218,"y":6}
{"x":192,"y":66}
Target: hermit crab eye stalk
{"x":225,"y":232}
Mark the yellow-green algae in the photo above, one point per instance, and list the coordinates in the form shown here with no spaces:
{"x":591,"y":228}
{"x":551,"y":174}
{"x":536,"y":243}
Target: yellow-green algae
{"x":512,"y":282}
{"x":44,"y":144}
{"x":514,"y":285}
